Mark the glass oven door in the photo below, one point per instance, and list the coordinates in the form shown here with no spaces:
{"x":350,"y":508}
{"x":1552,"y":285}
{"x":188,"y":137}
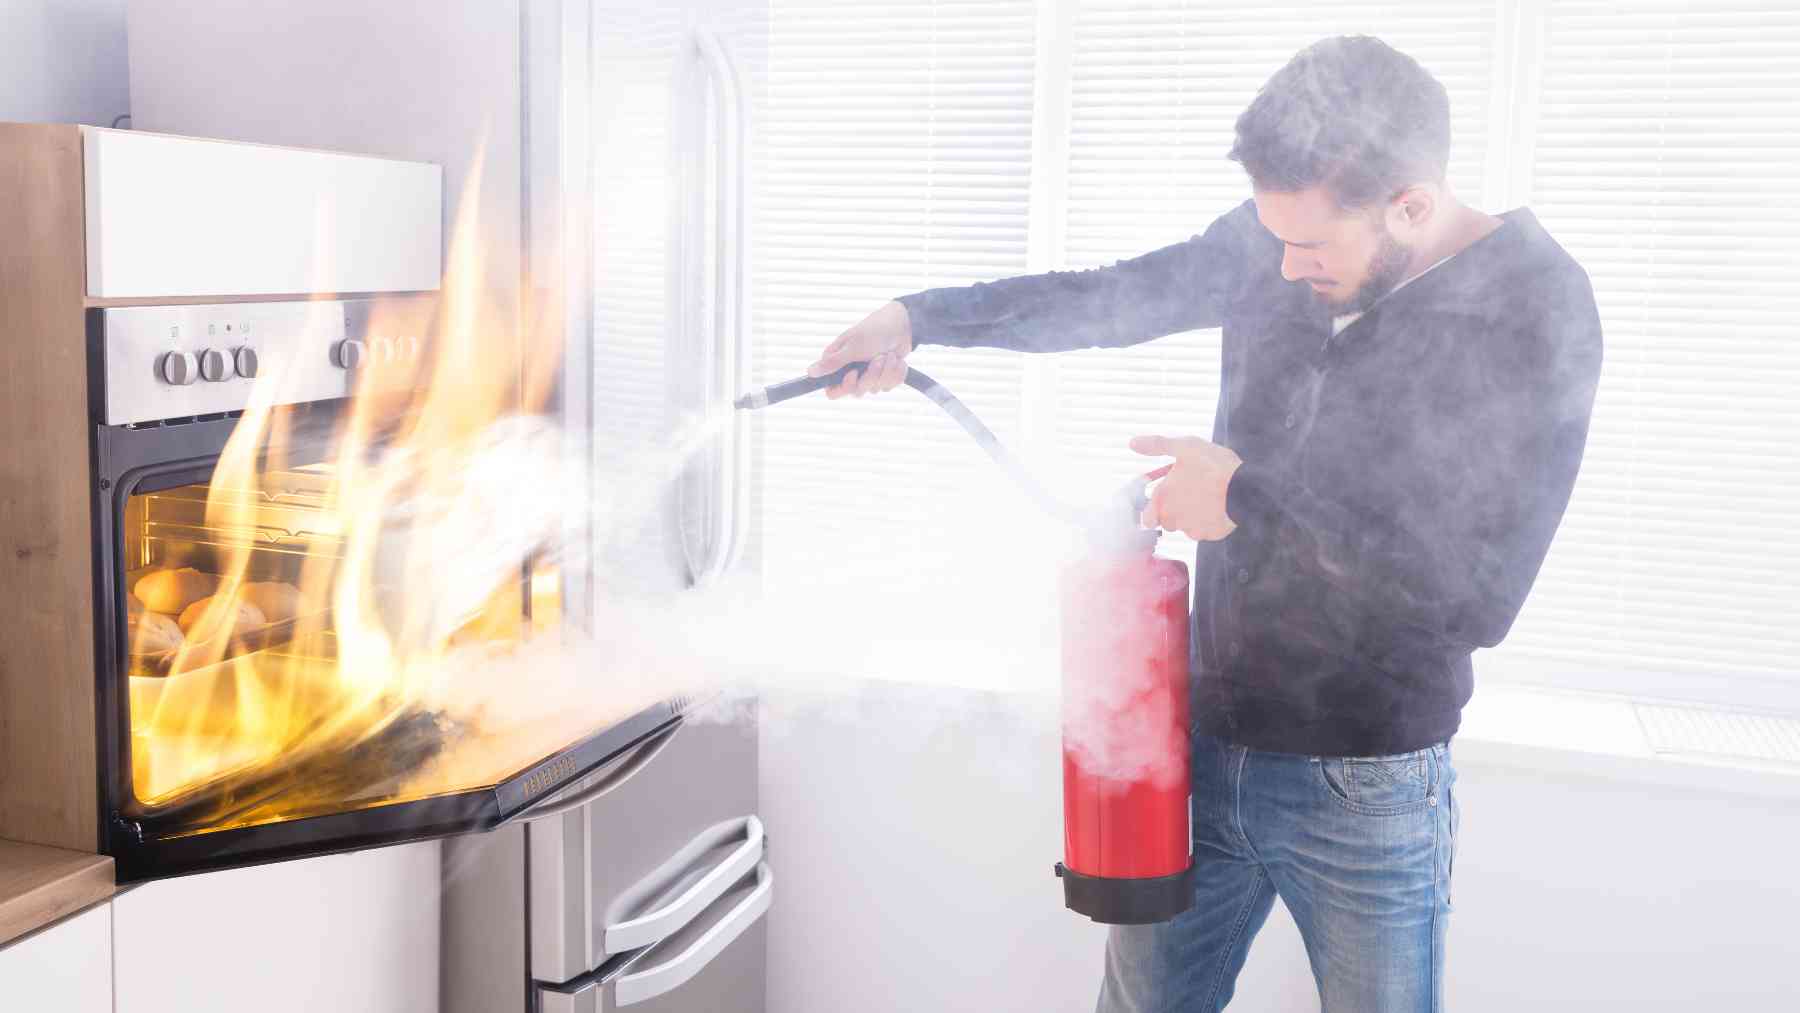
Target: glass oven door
{"x":251,"y":711}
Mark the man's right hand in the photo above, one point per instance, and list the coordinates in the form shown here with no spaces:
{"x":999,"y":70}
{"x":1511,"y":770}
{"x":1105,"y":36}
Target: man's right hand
{"x":883,"y":339}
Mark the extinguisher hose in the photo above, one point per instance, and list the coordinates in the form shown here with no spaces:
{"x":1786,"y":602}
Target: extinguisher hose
{"x":940,"y":396}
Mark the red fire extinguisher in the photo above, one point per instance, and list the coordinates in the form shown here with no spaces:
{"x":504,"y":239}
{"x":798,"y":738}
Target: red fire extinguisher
{"x":1127,"y":836}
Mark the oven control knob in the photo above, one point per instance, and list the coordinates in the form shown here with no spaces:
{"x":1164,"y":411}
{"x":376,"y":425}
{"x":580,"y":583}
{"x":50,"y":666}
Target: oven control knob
{"x":348,"y":354}
{"x":245,"y":360}
{"x":213,"y":365}
{"x":178,"y":368}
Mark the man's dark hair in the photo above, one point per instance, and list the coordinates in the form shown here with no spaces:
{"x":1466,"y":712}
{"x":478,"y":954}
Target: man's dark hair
{"x":1352,"y":113}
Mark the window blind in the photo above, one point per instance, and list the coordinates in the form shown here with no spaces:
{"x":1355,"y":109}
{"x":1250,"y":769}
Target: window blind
{"x":1666,"y":157}
{"x":1154,"y":92}
{"x":894,"y":155}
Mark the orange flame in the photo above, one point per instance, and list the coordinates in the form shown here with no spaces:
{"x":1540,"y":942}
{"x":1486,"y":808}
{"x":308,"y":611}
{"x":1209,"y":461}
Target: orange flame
{"x":388,"y":609}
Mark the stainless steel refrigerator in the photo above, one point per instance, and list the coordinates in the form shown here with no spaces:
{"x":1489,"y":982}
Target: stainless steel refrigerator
{"x":649,"y":889}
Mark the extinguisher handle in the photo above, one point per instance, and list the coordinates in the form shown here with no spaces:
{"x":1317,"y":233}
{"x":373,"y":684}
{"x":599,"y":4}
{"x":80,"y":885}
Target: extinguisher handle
{"x":1134,"y":498}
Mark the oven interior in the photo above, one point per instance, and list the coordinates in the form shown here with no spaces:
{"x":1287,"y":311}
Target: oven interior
{"x":241,"y":707}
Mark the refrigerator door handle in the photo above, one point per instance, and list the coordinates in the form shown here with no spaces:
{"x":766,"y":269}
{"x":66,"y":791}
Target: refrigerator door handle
{"x":738,"y":264}
{"x":657,"y":979}
{"x":657,"y":925}
{"x":628,"y":767}
{"x":730,"y":368}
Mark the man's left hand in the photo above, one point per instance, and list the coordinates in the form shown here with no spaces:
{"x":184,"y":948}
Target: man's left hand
{"x":1192,"y":498}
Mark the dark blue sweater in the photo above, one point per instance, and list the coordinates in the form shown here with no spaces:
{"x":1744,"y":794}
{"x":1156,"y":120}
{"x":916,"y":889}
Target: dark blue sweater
{"x":1401,"y":481}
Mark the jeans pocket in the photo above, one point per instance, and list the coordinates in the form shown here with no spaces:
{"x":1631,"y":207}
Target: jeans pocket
{"x":1379,"y":785}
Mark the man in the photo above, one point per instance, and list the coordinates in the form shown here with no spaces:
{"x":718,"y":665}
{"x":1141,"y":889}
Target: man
{"x":1406,"y":385}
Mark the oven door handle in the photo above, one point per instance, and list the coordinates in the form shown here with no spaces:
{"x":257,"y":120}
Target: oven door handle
{"x":663,"y":922}
{"x":628,"y":766}
{"x":639,"y":986}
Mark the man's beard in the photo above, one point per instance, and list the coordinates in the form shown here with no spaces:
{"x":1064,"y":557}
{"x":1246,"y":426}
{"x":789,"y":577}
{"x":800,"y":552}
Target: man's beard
{"x":1387,"y":268}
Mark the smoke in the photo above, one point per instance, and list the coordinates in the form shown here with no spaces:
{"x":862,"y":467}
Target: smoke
{"x":802,"y":651}
{"x":1124,"y":657}
{"x":448,"y":545}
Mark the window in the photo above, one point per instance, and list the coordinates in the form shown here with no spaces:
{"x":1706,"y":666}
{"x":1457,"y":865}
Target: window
{"x":941,"y":143}
{"x":895,"y":156}
{"x":1664,"y":159}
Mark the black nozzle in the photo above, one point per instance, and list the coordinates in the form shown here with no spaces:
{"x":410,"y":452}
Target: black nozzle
{"x":790,"y":389}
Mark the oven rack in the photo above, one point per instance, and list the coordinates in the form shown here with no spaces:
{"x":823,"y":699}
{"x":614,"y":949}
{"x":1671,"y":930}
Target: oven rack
{"x":301,"y":542}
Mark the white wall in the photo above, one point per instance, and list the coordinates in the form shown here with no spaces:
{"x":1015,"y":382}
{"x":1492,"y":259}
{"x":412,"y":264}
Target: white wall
{"x":912,"y":838}
{"x":62,"y":61}
{"x":427,"y":80}
{"x":1580,"y":893}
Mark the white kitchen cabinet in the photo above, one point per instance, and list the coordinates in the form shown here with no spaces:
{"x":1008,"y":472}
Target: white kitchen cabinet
{"x":67,"y":967}
{"x":354,"y":933}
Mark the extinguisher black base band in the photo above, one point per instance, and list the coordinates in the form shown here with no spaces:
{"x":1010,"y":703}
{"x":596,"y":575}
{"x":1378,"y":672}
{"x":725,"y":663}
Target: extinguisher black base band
{"x":1115,"y":901}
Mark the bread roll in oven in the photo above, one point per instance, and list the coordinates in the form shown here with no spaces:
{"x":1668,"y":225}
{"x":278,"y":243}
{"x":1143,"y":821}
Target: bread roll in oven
{"x":278,"y":602}
{"x":200,"y":622}
{"x":151,"y":632}
{"x":172,"y":591}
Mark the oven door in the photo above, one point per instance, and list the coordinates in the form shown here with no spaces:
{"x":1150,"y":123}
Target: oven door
{"x":242,"y":733}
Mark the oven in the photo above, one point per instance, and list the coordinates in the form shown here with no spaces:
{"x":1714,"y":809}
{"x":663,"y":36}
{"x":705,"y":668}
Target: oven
{"x":231,"y":728}
{"x":240,"y":623}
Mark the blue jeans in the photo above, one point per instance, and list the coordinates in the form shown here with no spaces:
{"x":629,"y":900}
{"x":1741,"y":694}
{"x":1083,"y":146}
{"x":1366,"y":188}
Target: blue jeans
{"x":1360,"y":851}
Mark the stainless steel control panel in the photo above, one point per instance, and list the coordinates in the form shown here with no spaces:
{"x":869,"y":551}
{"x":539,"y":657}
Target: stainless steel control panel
{"x":168,"y":362}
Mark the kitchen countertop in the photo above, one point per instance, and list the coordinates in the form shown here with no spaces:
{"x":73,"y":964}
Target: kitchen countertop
{"x":38,"y":885}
